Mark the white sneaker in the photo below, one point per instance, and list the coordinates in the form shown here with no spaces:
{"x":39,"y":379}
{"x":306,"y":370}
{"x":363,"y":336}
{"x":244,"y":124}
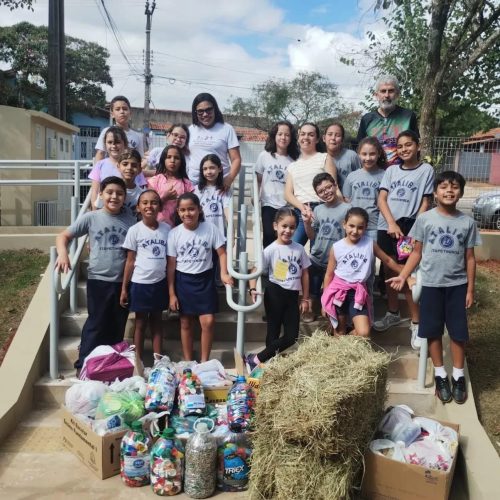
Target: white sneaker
{"x":416,"y":341}
{"x":390,"y":319}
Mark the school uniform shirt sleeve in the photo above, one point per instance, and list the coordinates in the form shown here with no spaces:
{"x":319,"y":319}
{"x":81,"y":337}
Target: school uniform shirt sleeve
{"x":473,"y":238}
{"x":232,"y":138}
{"x":429,"y":180}
{"x":130,"y":242}
{"x":259,"y":164}
{"x":99,"y":146}
{"x":347,"y":188}
{"x":218,"y":239}
{"x":172,"y":242}
{"x":305,"y":260}
{"x":81,"y":226}
{"x":95,"y":173}
{"x":417,"y":232}
{"x":386,"y":180}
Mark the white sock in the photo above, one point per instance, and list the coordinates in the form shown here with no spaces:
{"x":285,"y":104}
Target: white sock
{"x":457,"y":373}
{"x":439,"y":371}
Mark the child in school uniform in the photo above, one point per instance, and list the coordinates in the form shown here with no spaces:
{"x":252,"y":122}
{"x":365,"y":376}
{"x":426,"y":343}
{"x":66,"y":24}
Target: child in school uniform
{"x":444,"y":247}
{"x":119,"y":110}
{"x":405,"y":193}
{"x":191,"y":280}
{"x":287,"y":264}
{"x":106,"y":229}
{"x":145,"y":289}
{"x":324,"y":226}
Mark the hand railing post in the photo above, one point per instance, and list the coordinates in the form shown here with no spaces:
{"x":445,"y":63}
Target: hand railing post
{"x":54,"y":320}
{"x":73,"y":288}
{"x":242,"y":288}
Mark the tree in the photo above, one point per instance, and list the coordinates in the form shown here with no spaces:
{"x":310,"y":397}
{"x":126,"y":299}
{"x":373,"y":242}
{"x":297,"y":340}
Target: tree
{"x":15,"y":4}
{"x":25,"y":48}
{"x":443,"y":52}
{"x":310,"y":96}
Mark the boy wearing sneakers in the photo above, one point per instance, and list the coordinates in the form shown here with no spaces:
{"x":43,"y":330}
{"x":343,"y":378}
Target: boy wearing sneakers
{"x":106,"y":229}
{"x":324,"y":226}
{"x":444,"y":246}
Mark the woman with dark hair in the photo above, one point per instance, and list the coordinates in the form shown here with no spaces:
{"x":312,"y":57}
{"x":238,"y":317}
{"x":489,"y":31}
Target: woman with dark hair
{"x":281,"y":149}
{"x":299,"y":191}
{"x":209,"y":134}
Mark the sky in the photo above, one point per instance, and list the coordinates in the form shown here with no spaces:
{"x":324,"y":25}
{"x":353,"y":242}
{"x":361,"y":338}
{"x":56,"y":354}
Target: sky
{"x":224,"y":47}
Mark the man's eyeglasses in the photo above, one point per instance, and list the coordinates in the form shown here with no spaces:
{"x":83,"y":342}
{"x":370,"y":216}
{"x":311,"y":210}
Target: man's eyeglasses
{"x":204,"y":111}
{"x":326,"y":189}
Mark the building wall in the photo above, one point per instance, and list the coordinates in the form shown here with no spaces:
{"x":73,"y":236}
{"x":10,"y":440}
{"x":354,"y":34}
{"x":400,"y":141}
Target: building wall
{"x":32,"y":135}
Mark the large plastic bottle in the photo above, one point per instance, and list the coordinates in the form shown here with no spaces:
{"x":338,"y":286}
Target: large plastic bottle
{"x":240,"y":405}
{"x":233,"y":461}
{"x":201,"y":461}
{"x":191,"y":396}
{"x":134,"y":456}
{"x":167,"y":464}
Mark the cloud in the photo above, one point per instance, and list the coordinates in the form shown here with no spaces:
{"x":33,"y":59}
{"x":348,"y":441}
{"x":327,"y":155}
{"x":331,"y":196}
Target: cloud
{"x":217,"y":46}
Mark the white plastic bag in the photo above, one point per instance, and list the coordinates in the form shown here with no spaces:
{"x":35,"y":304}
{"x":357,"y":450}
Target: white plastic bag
{"x":84,"y":396}
{"x":212,"y":374}
{"x":397,"y":425}
{"x":447,"y":436}
{"x":389,"y":449}
{"x":428,"y":453}
{"x":136,"y":383}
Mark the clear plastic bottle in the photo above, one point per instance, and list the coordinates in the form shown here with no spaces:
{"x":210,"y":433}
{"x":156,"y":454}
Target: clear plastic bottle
{"x":167,"y":464}
{"x":134,"y":456}
{"x":201,"y":461}
{"x":191,"y":396}
{"x":233,"y":461}
{"x":240,"y":405}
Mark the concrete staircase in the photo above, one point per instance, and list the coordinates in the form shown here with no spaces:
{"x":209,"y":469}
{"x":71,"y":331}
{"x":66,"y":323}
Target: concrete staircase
{"x":396,"y":341}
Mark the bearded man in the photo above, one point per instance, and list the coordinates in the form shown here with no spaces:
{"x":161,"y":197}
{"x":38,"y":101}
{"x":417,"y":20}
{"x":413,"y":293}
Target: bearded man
{"x":389,"y":119}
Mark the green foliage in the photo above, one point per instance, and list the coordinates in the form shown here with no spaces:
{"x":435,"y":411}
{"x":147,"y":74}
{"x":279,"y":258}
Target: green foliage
{"x":24,"y":47}
{"x":310,"y":96}
{"x":467,"y":78}
{"x":15,"y":4}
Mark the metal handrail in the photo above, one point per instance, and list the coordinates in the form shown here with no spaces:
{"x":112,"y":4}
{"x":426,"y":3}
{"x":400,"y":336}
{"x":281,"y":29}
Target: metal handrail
{"x":243,"y":275}
{"x":58,"y":287}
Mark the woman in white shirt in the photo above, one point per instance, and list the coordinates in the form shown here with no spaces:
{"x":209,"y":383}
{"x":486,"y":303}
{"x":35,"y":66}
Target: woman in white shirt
{"x":210,"y":135}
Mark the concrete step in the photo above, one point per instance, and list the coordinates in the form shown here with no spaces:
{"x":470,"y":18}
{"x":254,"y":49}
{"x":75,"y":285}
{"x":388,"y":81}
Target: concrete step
{"x":405,"y":391}
{"x":225,"y":326}
{"x":221,"y":350}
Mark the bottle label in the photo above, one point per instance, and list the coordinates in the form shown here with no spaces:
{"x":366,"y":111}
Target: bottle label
{"x":194,"y":401}
{"x":235,"y":471}
{"x":136,"y":466}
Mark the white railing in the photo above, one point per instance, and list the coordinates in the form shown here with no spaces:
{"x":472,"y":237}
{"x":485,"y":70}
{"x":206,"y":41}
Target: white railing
{"x":243,"y":274}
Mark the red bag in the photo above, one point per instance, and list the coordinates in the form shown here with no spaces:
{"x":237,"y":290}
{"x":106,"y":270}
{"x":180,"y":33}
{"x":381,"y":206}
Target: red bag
{"x":107,"y":363}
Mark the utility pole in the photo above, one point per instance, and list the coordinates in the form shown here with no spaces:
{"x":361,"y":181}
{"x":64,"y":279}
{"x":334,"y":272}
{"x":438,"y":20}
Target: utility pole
{"x":147,"y":70}
{"x":56,"y":60}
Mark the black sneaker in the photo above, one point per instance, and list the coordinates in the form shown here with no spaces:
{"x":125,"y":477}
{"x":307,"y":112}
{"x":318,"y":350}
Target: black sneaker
{"x":443,"y":391}
{"x":459,"y":390}
{"x":249,"y":362}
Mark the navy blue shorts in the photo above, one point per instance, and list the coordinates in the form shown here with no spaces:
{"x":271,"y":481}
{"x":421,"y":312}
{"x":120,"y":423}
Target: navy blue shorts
{"x":196,"y":293}
{"x":316,"y":278}
{"x":440,"y":306}
{"x":148,"y":297}
{"x":348,"y":309}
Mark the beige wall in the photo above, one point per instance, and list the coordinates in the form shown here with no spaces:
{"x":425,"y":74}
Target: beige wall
{"x":24,"y":135}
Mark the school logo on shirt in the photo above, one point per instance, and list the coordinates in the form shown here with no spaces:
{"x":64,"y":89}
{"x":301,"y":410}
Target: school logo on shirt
{"x":400,"y":192}
{"x":447,"y":240}
{"x":276,"y":173}
{"x":156,"y":251}
{"x":356,"y":260}
{"x":354,"y":264}
{"x":214,"y":207}
{"x":330,"y":230}
{"x":366,"y":191}
{"x":293,"y":266}
{"x":194,"y":250}
{"x":114,"y":239}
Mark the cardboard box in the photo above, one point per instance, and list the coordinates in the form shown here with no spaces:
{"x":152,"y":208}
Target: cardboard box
{"x":101,"y":454}
{"x":388,"y":479}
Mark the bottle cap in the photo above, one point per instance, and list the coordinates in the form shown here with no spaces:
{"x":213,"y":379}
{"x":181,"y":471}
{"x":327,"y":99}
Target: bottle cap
{"x":241,"y":378}
{"x":168,"y":433}
{"x":137,"y":426}
{"x":187,"y":371}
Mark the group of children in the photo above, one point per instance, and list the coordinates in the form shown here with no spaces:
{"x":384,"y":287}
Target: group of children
{"x":377,"y":210}
{"x":138,"y":260}
{"x":150,"y":265}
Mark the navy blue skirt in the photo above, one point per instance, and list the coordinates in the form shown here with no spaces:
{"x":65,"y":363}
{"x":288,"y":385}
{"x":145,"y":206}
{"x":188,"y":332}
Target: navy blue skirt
{"x":196,"y":293}
{"x":148,"y":297}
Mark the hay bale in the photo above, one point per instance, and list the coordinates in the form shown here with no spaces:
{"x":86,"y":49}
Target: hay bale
{"x":316,"y":412}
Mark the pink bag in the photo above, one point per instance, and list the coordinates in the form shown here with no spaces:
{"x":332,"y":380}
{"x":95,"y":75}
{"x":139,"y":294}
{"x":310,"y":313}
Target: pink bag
{"x":107,"y":363}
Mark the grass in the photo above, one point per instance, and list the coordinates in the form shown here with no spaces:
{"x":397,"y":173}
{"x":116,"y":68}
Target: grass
{"x":20,"y":274}
{"x":484,"y":349}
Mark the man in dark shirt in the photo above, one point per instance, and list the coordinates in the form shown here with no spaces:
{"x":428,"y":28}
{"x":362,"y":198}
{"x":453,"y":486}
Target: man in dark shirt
{"x":389,"y":119}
